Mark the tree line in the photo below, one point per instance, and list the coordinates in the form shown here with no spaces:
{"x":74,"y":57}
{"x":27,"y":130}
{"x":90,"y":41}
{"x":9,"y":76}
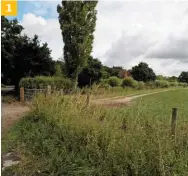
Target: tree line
{"x":28,"y":57}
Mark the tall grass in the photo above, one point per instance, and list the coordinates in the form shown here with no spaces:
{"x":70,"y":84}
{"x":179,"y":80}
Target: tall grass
{"x":71,"y":138}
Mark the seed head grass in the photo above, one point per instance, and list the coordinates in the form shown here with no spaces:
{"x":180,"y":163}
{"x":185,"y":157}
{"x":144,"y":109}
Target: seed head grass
{"x":65,"y":136}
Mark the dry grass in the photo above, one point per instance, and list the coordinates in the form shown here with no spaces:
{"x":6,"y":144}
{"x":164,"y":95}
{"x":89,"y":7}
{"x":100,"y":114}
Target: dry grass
{"x":71,"y":138}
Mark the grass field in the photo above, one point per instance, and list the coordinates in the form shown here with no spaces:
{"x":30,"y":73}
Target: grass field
{"x":62,"y":136}
{"x":119,"y":91}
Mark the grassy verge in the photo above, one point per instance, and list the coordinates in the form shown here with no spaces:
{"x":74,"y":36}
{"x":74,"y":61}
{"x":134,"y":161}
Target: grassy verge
{"x":119,"y":91}
{"x":62,"y":136}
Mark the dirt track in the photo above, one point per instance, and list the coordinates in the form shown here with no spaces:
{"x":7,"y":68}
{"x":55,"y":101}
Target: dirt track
{"x":122,"y":100}
{"x":9,"y":114}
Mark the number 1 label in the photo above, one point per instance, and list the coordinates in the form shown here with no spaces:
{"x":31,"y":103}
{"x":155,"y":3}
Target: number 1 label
{"x":9,"y":8}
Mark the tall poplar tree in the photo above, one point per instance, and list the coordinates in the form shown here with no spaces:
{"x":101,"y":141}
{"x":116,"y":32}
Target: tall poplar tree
{"x":77,"y":22}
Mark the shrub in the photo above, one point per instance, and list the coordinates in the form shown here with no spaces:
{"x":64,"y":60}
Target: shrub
{"x":141,"y":85}
{"x":114,"y":81}
{"x":129,"y":82}
{"x":104,"y":81}
{"x":43,"y":81}
{"x":150,"y":85}
{"x":173,"y":83}
{"x":185,"y":84}
{"x":182,"y":84}
{"x":162,"y":83}
{"x":104,"y":85}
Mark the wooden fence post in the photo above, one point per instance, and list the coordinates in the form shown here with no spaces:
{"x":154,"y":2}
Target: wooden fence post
{"x":21,"y":94}
{"x":173,"y":123}
{"x":48,"y":90}
{"x":88,"y":99}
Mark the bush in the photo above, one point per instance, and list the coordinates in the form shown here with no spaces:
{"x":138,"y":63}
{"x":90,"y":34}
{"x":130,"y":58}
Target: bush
{"x":114,"y":81}
{"x":44,"y":81}
{"x":104,"y":81}
{"x":162,"y":83}
{"x":185,"y":85}
{"x":129,"y":82}
{"x":182,"y":84}
{"x":150,"y":85}
{"x":104,"y":85}
{"x":141,"y":85}
{"x":173,"y":84}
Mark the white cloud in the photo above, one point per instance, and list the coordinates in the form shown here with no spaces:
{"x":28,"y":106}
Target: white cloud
{"x":126,"y":33}
{"x":146,"y":27}
{"x":48,"y":31}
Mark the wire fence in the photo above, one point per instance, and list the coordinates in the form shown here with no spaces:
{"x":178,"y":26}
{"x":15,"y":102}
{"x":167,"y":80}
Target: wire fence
{"x":31,"y":93}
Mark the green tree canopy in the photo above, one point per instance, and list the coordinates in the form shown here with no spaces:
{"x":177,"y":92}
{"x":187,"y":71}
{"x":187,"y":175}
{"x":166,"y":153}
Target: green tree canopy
{"x":183,"y":77}
{"x":113,"y":71}
{"x":161,"y":77}
{"x":142,"y":72}
{"x":91,"y":73}
{"x":172,"y":78}
{"x":22,"y":56}
{"x":77,"y":21}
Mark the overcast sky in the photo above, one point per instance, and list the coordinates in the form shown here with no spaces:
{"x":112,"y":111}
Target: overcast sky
{"x":127,"y":32}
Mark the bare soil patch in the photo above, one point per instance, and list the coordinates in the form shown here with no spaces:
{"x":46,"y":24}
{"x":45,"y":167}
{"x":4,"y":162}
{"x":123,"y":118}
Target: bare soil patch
{"x":120,"y":101}
{"x":10,"y":113}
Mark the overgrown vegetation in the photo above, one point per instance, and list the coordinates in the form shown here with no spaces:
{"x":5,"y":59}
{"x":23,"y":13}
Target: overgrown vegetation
{"x":114,"y":81}
{"x":162,"y":84}
{"x":63,"y":136}
{"x":43,"y":82}
{"x":129,"y":82}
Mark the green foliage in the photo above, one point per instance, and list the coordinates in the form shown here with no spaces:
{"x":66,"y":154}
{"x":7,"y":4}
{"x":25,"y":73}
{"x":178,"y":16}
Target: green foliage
{"x":114,"y":81}
{"x":77,"y":22}
{"x":162,"y":83}
{"x":183,"y":77}
{"x":150,"y":84}
{"x":115,"y":70}
{"x":22,"y":56}
{"x":142,"y":72}
{"x":63,"y":137}
{"x":141,"y":85}
{"x":173,"y":83}
{"x":104,"y":83}
{"x":58,"y":70}
{"x":182,"y":84}
{"x":129,"y":82}
{"x":161,"y":77}
{"x":165,"y":83}
{"x":43,"y":81}
{"x":91,"y":74}
{"x":112,"y":71}
{"x":104,"y":74}
{"x":172,"y":79}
